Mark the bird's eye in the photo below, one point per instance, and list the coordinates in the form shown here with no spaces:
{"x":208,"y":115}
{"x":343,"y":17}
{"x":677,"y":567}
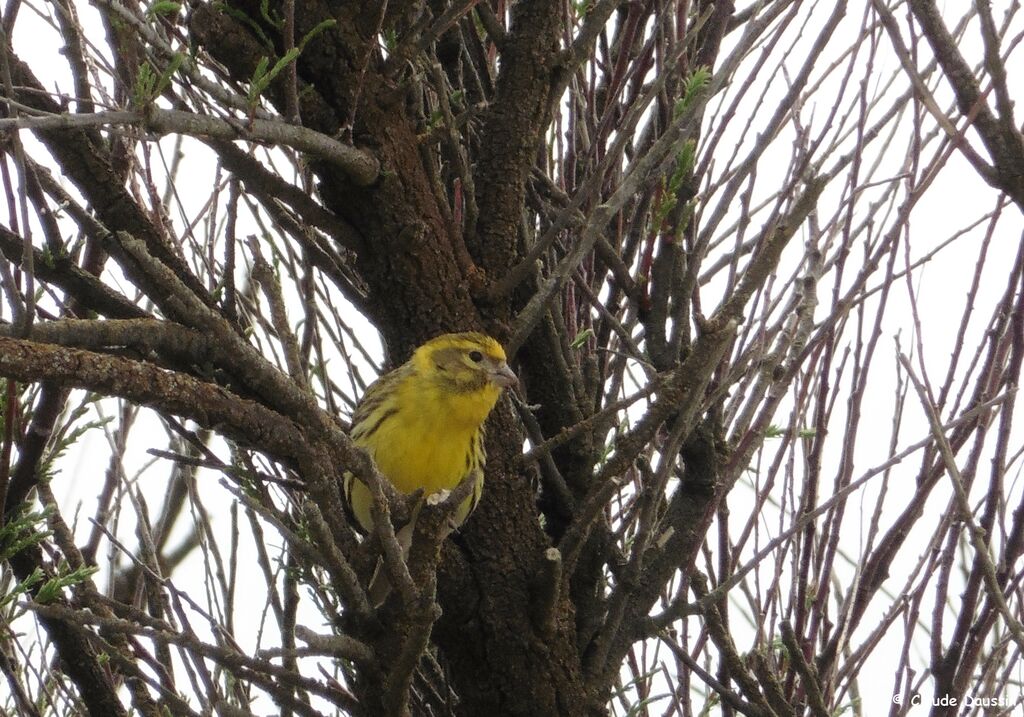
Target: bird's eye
{"x":476,"y":356}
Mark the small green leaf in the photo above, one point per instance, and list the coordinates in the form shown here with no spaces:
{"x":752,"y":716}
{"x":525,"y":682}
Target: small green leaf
{"x":47,"y":465}
{"x":582,"y":7}
{"x":262,"y":77}
{"x":164,"y":80}
{"x":317,"y":29}
{"x":686,"y":159}
{"x":694,"y":85}
{"x":246,"y":20}
{"x":22,"y":588}
{"x":581,"y":338}
{"x":163,"y":7}
{"x":265,"y":13}
{"x":22,"y":530}
{"x":257,"y":83}
{"x":52,"y":588}
{"x":145,"y":84}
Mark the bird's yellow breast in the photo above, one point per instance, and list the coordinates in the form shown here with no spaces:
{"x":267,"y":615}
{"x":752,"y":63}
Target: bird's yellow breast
{"x":427,"y":443}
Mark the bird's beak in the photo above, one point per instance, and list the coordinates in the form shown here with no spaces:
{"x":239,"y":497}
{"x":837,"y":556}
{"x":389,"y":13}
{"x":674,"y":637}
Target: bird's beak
{"x":503,"y":376}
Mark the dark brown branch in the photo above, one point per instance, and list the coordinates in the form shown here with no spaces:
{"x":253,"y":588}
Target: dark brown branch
{"x":361,"y":167}
{"x":808,"y":675}
{"x":513,"y":126}
{"x":62,"y":272}
{"x":1005,"y":148}
{"x":207,"y":404}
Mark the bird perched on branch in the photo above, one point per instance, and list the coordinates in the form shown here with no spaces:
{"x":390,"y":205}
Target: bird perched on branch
{"x":423,"y":424}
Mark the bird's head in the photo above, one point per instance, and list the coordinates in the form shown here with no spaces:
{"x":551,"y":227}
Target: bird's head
{"x":465,"y":363}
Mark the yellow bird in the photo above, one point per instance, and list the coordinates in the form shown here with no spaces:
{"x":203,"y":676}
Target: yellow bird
{"x":423,"y":422}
